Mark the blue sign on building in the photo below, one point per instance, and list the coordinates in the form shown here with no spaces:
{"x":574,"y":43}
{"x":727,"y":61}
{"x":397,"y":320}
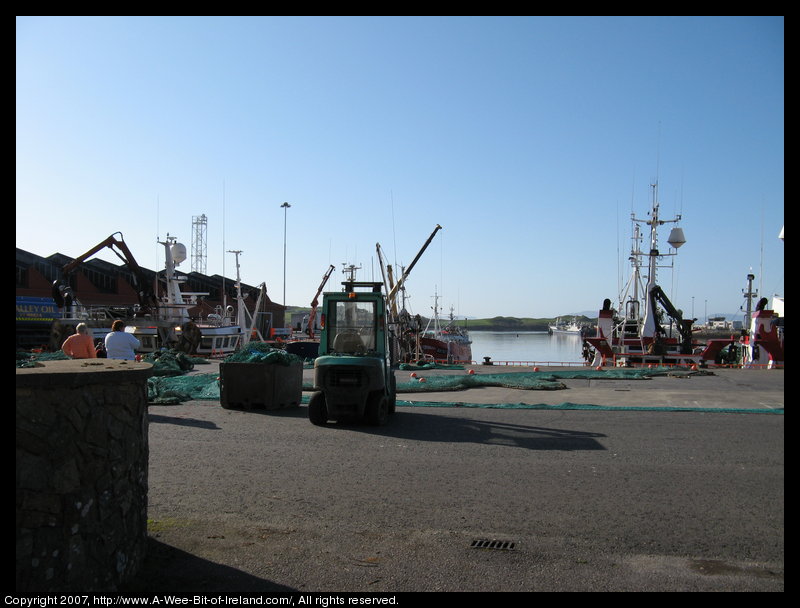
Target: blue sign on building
{"x":36,"y":310}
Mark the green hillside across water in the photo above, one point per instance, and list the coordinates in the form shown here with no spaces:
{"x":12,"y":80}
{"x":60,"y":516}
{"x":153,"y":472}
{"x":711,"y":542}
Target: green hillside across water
{"x":516,"y":324}
{"x":530,"y":324}
{"x":497,"y":323}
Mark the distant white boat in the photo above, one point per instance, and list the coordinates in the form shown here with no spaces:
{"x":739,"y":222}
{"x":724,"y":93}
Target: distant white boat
{"x":570,"y":327}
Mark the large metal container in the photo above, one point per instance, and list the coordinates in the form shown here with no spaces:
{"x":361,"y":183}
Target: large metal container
{"x":260,"y":385}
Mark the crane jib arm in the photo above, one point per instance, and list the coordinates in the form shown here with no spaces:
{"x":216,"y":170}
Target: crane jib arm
{"x":414,"y":261}
{"x":146,"y":297}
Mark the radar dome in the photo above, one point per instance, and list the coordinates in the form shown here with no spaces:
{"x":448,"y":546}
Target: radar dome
{"x":178,"y":251}
{"x":676,"y":238}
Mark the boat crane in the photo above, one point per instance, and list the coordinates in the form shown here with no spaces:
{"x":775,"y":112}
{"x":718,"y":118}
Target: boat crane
{"x":62,"y":293}
{"x":393,"y":317}
{"x":251,"y":331}
{"x":315,"y":302}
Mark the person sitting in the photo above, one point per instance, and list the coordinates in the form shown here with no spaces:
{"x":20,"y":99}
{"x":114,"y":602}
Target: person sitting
{"x":80,"y":345}
{"x":120,"y":344}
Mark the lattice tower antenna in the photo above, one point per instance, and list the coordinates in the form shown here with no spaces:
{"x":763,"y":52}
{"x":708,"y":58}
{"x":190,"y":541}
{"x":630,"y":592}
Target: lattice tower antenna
{"x":199,"y":245}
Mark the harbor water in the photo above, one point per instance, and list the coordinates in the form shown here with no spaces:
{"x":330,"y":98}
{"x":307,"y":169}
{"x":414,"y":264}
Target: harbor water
{"x":529,"y":346}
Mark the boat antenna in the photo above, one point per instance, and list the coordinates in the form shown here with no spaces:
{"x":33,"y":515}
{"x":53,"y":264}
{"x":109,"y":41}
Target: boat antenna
{"x":224,"y":293}
{"x":619,"y":260}
{"x":394,"y":234}
{"x":761,"y":254}
{"x":158,"y":228}
{"x":658,"y":151}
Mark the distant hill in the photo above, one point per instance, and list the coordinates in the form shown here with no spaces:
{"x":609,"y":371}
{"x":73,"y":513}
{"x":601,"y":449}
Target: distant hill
{"x":495,"y":323}
{"x":519,"y":324}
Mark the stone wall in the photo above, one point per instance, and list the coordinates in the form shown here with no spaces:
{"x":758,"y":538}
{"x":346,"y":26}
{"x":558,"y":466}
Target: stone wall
{"x":81,"y":474}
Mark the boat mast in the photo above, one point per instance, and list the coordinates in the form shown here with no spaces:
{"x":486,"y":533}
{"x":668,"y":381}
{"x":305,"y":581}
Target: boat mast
{"x":240,"y":308}
{"x":630,"y":303}
{"x":749,"y":295}
{"x":648,"y":321}
{"x":648,"y":327}
{"x":435,"y":318}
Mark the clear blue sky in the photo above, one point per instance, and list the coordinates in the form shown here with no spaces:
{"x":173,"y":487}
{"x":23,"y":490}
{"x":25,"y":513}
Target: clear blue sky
{"x":529,"y":139}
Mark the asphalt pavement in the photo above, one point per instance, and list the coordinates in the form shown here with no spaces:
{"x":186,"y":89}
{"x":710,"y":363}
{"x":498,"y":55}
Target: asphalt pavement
{"x":673,"y":483}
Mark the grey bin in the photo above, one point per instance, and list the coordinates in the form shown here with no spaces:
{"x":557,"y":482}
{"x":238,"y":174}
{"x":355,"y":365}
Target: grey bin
{"x":268,"y":386}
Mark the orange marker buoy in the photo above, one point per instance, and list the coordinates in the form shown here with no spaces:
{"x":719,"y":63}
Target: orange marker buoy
{"x":422,"y":379}
{"x":536,"y":369}
{"x":413,"y":374}
{"x":599,"y":368}
{"x":470,"y":372}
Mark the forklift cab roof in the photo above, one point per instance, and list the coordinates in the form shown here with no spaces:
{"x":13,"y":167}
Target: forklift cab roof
{"x":350,"y":286}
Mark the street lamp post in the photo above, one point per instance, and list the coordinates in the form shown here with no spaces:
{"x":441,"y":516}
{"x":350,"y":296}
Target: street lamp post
{"x":285,"y":206}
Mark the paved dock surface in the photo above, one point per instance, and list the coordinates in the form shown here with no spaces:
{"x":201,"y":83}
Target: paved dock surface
{"x":603,"y":499}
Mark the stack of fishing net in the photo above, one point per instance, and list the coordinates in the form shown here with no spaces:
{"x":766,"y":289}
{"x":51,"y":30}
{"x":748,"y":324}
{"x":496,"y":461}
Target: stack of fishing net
{"x":259,"y":352}
{"x":172,"y":384}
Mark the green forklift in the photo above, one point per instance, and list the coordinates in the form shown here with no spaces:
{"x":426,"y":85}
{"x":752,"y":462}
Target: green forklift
{"x":353,"y":377}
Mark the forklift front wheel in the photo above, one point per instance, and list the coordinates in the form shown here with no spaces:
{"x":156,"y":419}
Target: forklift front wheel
{"x":318,"y":409}
{"x":378,"y":409}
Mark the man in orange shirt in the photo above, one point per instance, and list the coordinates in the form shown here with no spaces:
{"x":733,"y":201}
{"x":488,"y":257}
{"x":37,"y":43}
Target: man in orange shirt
{"x":80,"y":345}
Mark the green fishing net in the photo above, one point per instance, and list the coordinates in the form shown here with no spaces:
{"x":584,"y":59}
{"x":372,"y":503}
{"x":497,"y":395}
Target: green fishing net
{"x":171,"y":363}
{"x":547,"y":380}
{"x":172,"y":384}
{"x":186,"y":387}
{"x":258,"y":352}
{"x":28,"y":359}
{"x":170,"y":390}
{"x":424,"y":366}
{"x":521,"y":380}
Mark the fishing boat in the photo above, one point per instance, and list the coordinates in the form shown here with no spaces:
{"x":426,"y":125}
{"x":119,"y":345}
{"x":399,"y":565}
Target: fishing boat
{"x":412,"y":342}
{"x":449,"y":343}
{"x":170,"y":320}
{"x":216,"y":334}
{"x":565,"y":327}
{"x":761,"y":342}
{"x":633,"y":333}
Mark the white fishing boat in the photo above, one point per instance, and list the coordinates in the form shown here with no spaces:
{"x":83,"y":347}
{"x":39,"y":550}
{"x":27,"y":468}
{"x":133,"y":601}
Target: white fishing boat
{"x":633,"y":334}
{"x":216,"y":335}
{"x":165,"y":318}
{"x":565,"y":327}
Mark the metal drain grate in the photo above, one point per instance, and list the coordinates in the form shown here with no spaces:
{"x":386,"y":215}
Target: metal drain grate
{"x":500,"y":545}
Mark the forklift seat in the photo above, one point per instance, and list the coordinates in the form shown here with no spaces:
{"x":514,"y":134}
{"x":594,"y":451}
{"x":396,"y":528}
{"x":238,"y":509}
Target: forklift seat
{"x":347,"y":342}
